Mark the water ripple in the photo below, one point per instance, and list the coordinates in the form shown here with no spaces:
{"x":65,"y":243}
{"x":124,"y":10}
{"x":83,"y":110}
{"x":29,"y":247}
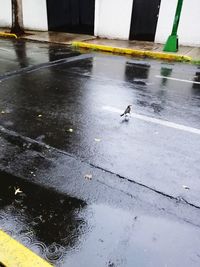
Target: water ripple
{"x":55,"y":253}
{"x":39,"y":247}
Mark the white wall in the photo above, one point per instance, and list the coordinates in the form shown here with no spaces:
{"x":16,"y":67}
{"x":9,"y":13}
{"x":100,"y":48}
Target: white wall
{"x":5,"y":13}
{"x":113,"y":18}
{"x":165,"y":20}
{"x":189,"y":29}
{"x":35,"y":15}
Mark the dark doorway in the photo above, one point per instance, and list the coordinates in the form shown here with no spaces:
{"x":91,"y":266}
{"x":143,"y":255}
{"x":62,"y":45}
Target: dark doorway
{"x":74,"y":16}
{"x":144,"y":19}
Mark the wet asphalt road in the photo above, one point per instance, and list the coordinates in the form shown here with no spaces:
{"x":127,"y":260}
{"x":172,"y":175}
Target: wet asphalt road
{"x":60,"y":121}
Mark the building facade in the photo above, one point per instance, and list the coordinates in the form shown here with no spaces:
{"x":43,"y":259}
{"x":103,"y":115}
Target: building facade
{"x":146,"y":20}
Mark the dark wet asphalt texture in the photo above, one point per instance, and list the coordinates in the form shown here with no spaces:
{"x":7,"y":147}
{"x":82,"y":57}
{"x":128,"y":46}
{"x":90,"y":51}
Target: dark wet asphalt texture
{"x":46,"y":103}
{"x":43,"y":102}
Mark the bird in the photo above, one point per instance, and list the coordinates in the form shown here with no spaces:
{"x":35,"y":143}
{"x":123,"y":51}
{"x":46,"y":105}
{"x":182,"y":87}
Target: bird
{"x":127,"y":111}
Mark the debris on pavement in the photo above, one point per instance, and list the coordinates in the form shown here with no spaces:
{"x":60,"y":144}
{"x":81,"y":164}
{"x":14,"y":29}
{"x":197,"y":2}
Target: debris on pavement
{"x":88,"y":176}
{"x":186,"y":187}
{"x":40,"y":115}
{"x":70,"y":130}
{"x":32,"y":173}
{"x":97,"y":139}
{"x":17,"y":191}
{"x":111,"y":264}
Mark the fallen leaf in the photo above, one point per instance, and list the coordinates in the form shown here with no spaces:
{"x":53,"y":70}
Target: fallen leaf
{"x":17,"y":191}
{"x":186,"y":187}
{"x":88,"y":176}
{"x":97,"y":139}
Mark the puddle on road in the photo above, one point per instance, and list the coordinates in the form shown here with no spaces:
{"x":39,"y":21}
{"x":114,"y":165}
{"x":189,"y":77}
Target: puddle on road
{"x":67,"y":231}
{"x":46,"y":222}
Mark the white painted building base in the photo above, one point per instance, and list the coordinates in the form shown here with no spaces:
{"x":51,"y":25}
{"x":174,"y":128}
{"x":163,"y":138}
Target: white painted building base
{"x":35,"y":15}
{"x":189,"y":29}
{"x":113,"y":19}
{"x":5,"y":14}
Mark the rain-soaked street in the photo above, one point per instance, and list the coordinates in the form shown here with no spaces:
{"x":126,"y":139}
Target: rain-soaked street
{"x":82,"y":186}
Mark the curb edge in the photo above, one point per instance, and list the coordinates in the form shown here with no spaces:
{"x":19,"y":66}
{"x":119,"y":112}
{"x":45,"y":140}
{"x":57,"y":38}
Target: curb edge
{"x":4,"y":34}
{"x":13,"y":253}
{"x":133,"y":52}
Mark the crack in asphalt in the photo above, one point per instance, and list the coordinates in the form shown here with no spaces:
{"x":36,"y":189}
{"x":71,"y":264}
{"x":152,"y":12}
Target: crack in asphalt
{"x":33,"y":68}
{"x":37,"y":145}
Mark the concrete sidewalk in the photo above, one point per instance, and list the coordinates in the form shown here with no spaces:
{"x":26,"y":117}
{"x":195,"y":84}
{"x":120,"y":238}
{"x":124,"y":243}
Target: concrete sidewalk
{"x":49,"y":37}
{"x":134,"y":48}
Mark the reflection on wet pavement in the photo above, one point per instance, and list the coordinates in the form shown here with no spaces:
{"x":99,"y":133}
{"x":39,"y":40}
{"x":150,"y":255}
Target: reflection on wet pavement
{"x":15,"y":54}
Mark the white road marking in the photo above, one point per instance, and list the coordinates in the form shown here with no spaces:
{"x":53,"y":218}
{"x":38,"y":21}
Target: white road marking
{"x":176,"y":79}
{"x":157,"y":121}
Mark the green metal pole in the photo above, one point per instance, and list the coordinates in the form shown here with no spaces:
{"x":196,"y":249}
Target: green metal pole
{"x":172,"y":41}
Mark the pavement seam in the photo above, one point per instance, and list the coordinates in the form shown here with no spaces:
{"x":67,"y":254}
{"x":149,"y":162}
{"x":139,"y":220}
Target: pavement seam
{"x":44,"y":65}
{"x":41,"y":144}
{"x":177,"y":199}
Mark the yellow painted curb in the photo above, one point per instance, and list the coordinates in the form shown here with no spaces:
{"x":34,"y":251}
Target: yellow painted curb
{"x":133,"y":52}
{"x":14,"y":254}
{"x":4,"y":34}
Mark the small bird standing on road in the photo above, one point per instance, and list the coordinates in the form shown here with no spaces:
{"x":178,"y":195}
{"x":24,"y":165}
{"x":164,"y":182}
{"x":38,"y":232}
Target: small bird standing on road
{"x":127,"y":111}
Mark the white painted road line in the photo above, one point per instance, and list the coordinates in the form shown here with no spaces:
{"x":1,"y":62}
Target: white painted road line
{"x":176,"y":79}
{"x":157,"y":121}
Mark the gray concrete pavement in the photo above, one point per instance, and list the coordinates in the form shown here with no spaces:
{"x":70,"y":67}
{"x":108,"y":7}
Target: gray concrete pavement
{"x":136,"y":180}
{"x":52,"y":37}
